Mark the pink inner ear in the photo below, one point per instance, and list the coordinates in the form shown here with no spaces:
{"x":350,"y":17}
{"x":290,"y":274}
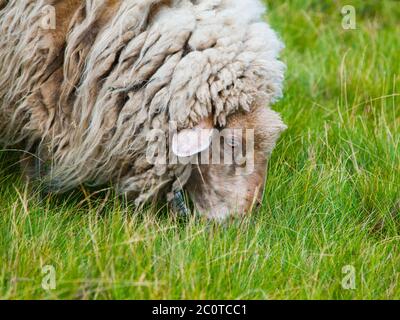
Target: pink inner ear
{"x":189,"y":142}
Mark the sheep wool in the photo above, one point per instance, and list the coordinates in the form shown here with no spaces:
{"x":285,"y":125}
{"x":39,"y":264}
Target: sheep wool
{"x":84,"y":94}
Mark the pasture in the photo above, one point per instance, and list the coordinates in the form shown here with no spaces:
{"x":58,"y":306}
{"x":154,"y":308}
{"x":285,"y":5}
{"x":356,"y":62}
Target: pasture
{"x":329,"y":227}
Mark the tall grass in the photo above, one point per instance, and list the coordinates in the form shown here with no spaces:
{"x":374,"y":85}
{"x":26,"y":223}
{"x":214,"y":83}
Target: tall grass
{"x":332,"y":198}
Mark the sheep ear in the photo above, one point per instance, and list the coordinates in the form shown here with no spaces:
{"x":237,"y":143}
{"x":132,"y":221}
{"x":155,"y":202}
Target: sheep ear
{"x":189,"y":142}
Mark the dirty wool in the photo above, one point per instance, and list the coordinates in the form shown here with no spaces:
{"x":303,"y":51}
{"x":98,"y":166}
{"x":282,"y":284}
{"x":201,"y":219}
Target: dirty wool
{"x":83,"y":96}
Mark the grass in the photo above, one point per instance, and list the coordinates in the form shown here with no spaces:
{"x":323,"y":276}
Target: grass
{"x":332,"y":198}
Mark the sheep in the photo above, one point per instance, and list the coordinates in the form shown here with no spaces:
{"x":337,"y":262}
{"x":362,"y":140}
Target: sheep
{"x":84,"y":95}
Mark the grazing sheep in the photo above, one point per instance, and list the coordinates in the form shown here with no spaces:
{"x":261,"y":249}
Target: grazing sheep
{"x":86,"y":95}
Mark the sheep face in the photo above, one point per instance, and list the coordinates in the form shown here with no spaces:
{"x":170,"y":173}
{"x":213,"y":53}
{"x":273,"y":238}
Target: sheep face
{"x":229,"y":175}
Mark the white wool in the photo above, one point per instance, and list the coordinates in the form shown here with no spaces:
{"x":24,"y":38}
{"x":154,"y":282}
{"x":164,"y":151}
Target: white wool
{"x":124,"y":73}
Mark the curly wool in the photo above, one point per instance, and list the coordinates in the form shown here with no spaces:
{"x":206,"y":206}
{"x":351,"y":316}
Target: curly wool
{"x":87,"y":94}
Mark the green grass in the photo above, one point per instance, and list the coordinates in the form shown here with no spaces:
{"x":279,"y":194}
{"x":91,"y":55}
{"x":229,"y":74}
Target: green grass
{"x":333,"y":194}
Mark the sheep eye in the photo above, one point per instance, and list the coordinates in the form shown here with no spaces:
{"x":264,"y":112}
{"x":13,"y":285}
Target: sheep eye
{"x":233,"y":142}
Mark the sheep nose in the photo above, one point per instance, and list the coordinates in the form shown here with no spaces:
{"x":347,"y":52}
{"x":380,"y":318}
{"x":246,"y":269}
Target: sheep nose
{"x":257,"y":198}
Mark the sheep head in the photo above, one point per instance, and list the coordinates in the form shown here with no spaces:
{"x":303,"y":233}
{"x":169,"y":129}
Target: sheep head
{"x":229,"y":172}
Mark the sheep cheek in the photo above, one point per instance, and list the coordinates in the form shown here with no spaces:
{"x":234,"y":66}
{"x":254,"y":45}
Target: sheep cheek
{"x":218,"y":192}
